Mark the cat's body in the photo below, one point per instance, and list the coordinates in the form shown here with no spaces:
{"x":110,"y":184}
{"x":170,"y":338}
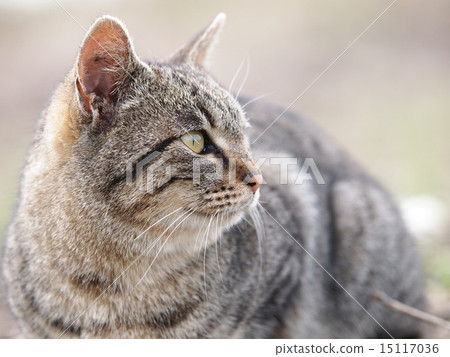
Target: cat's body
{"x":80,"y":259}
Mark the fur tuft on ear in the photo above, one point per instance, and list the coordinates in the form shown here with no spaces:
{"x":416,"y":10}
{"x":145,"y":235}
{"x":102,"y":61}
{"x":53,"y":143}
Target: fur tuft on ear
{"x":105,"y":55}
{"x":197,"y":52}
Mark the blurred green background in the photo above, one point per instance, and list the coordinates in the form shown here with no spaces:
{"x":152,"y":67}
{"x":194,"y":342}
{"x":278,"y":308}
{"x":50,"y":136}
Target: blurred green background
{"x":386,"y":99}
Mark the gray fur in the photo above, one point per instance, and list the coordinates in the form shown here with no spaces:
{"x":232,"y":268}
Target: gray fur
{"x":83,"y":258}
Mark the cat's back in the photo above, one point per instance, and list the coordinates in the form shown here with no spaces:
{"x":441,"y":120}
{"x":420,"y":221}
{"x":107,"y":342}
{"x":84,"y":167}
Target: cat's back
{"x":338,"y":223}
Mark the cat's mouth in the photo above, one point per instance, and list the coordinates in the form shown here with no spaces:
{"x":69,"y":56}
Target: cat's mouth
{"x":231,"y":203}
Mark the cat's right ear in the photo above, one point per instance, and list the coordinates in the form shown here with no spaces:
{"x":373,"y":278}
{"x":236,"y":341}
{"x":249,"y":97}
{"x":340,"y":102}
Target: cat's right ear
{"x":103,"y":62}
{"x":197,"y":52}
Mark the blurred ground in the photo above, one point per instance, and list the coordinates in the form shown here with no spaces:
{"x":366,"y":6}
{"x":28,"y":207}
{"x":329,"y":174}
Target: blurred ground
{"x":385,"y":99}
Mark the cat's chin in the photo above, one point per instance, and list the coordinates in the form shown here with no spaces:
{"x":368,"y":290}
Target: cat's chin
{"x":233,"y":215}
{"x":253,"y":202}
{"x":202,"y":228}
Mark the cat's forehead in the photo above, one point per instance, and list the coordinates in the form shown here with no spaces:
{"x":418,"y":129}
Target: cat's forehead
{"x":196,"y":93}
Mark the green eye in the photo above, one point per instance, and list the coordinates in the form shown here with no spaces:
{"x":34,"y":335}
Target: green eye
{"x":194,"y":140}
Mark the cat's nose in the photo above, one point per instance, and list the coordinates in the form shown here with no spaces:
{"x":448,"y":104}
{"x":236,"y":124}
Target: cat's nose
{"x":255,"y":182}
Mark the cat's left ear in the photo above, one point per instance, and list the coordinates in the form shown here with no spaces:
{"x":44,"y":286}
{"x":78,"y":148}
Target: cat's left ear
{"x":104,"y":62}
{"x":197,"y":52}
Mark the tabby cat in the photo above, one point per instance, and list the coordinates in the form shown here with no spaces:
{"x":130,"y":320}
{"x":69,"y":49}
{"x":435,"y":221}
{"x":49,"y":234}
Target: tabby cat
{"x":139,"y":213}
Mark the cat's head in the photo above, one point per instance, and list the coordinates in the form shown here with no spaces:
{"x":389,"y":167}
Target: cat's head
{"x":148,"y":139}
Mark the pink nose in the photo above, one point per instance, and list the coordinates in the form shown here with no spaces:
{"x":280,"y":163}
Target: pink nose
{"x":255,"y":182}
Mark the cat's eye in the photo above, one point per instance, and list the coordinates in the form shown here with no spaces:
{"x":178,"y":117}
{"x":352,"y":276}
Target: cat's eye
{"x":194,"y":140}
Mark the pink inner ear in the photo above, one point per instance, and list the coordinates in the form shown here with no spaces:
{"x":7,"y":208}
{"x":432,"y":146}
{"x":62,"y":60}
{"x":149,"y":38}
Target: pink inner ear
{"x":95,"y":61}
{"x":103,"y":56}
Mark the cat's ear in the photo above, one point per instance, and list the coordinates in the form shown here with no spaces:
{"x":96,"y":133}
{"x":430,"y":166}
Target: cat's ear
{"x":104,"y":60}
{"x":197,"y":52}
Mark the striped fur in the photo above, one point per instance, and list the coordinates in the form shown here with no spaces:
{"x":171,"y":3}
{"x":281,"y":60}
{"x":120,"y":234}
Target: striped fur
{"x":90,"y":254}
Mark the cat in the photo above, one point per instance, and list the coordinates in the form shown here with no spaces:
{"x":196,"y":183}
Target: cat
{"x":143,"y":213}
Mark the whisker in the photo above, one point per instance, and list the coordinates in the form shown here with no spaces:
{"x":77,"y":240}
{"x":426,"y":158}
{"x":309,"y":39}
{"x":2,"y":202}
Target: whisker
{"x":227,"y":225}
{"x":220,"y":236}
{"x":199,"y":232}
{"x":159,"y":220}
{"x":155,"y":242}
{"x":260,"y":234}
{"x":204,"y":271}
{"x":244,"y":80}
{"x":262,"y":96}
{"x":205,"y":236}
{"x":235,"y":75}
{"x":164,"y":243}
{"x":204,"y":254}
{"x":217,"y":253}
{"x":162,"y":234}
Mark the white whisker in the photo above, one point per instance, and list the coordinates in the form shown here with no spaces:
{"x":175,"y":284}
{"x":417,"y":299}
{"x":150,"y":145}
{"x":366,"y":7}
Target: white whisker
{"x":146,"y":230}
{"x":244,"y":80}
{"x":235,"y":75}
{"x":204,"y":254}
{"x":205,"y":236}
{"x":198,"y":234}
{"x":155,"y":242}
{"x":217,"y":253}
{"x":260,"y":234}
{"x":262,"y":96}
{"x":164,"y":243}
{"x":220,"y":236}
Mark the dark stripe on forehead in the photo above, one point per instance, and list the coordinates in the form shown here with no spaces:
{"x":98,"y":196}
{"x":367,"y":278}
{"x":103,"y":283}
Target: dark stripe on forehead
{"x":207,"y":114}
